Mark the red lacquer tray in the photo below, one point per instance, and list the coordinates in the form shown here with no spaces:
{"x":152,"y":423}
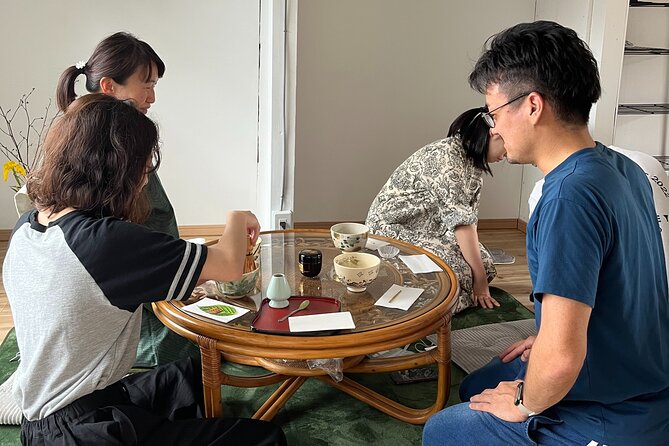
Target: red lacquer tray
{"x":267,"y":320}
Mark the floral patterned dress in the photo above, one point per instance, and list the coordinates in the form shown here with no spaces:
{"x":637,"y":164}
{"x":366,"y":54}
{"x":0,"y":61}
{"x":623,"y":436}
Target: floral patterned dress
{"x":429,"y":194}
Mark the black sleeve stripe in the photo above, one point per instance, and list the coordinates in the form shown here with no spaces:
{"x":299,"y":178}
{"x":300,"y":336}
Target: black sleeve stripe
{"x":179,"y":273}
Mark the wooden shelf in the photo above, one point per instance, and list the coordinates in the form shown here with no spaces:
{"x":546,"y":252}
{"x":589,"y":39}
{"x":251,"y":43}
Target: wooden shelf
{"x":643,"y":109}
{"x":664,"y":160}
{"x":645,"y":50}
{"x":641,"y":4}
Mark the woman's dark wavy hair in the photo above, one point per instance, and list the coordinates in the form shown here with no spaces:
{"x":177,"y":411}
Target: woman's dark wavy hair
{"x":95,"y":159}
{"x":475,"y":136}
{"x":544,"y":57}
{"x":118,"y":57}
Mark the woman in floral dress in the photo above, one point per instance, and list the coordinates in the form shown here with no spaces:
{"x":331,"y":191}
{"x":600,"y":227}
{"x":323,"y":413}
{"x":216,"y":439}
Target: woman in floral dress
{"x":432,"y":201}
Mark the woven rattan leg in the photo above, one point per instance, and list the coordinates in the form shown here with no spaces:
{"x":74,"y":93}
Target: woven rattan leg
{"x":211,"y":377}
{"x":279,"y":398}
{"x":441,"y":355}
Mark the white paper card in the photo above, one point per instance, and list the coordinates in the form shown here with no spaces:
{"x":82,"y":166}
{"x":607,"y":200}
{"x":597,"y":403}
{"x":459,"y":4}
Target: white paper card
{"x":319,"y":322}
{"x":420,"y":264}
{"x":374,"y":244}
{"x":406,"y":297}
{"x":196,"y":308}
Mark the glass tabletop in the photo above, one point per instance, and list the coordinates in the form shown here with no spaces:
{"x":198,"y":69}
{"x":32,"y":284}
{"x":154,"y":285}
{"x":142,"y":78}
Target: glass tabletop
{"x":279,"y":254}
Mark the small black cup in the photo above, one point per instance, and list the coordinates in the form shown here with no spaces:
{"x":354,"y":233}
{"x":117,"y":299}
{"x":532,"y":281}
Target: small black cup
{"x":311,"y":261}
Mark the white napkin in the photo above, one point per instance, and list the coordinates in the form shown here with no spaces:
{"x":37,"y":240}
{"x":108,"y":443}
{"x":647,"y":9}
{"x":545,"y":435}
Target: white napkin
{"x":373,"y":244}
{"x":195,"y":309}
{"x":420,"y":264}
{"x":198,"y":240}
{"x":406,"y":297}
{"x":323,"y":321}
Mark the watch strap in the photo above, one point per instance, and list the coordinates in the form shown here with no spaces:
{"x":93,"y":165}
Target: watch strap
{"x":525,"y":410}
{"x":519,"y":401}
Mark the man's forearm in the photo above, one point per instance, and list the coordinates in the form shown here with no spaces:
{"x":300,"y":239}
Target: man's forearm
{"x":550,"y":375}
{"x":558,"y":352}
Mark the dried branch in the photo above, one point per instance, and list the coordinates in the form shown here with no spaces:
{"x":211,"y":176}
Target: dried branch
{"x":42,"y":132}
{"x":24,"y":146}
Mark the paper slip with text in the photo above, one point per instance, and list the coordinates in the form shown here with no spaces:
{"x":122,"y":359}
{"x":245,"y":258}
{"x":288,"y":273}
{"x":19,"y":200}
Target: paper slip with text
{"x":374,"y":244}
{"x":420,"y":264}
{"x":401,"y":297}
{"x":319,"y":322}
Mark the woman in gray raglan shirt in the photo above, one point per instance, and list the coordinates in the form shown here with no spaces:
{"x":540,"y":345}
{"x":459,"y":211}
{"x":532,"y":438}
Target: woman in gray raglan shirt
{"x":77,"y":272}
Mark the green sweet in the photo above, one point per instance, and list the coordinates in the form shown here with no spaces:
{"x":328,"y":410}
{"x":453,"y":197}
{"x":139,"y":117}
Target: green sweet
{"x":218,"y":310}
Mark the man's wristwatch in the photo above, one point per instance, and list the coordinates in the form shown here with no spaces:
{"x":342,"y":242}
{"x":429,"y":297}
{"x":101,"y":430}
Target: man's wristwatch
{"x":519,"y":401}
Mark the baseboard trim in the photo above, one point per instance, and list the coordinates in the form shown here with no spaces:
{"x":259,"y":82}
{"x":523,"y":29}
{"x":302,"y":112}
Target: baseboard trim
{"x":522,"y":226}
{"x":498,"y":223}
{"x":187,"y":231}
{"x":492,"y":223}
{"x":319,"y":224}
{"x":191,"y":231}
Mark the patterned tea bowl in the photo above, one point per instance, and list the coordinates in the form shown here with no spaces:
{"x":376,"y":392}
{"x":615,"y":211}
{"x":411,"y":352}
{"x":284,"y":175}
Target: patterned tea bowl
{"x":349,"y":236}
{"x":247,"y":283}
{"x":241,"y":287}
{"x":356,"y":270}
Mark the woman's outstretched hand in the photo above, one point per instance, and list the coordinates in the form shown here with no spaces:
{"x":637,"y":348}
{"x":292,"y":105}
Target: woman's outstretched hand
{"x":483,"y":298}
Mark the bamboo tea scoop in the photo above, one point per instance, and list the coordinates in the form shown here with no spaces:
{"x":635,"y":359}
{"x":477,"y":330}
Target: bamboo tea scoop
{"x":303,"y":305}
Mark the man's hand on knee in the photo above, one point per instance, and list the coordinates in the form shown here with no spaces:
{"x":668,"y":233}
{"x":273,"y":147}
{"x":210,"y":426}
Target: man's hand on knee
{"x":500,"y":402}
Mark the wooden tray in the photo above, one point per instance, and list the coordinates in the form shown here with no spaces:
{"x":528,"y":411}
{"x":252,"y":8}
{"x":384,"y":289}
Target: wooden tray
{"x":267,"y":319}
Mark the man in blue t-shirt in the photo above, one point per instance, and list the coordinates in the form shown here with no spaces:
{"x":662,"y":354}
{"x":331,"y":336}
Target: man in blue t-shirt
{"x":597,"y":373}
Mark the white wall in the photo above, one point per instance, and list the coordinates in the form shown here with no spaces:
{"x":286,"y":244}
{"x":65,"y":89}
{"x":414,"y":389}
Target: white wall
{"x":368,"y":83}
{"x":377,"y":80}
{"x":206,"y":103}
{"x":600,"y":23}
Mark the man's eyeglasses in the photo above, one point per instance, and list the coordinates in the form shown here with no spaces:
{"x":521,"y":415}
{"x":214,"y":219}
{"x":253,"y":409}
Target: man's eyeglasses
{"x":487,"y":116}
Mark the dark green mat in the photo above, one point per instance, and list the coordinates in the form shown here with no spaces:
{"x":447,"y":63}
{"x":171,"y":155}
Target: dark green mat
{"x":318,"y":414}
{"x":9,"y":435}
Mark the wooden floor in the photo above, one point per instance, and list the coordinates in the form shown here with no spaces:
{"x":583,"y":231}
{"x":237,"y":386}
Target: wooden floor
{"x":514,"y":278}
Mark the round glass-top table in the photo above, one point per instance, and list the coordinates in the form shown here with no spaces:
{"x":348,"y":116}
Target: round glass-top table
{"x":376,"y":329}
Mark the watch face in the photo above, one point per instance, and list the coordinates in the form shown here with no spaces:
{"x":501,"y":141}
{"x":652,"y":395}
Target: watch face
{"x":519,"y":401}
{"x":519,"y":394}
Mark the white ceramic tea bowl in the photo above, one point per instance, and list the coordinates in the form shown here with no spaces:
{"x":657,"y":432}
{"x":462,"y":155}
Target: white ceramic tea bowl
{"x":356,"y":270}
{"x":349,"y":237}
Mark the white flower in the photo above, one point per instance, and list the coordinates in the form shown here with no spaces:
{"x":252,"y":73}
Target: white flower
{"x":80,"y":65}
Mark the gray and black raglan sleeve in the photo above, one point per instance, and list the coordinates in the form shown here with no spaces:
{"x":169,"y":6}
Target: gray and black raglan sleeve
{"x":133,"y":265}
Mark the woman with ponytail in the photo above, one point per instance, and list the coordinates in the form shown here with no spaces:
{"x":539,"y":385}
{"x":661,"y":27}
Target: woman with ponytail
{"x":121,"y":66}
{"x":128,"y":69}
